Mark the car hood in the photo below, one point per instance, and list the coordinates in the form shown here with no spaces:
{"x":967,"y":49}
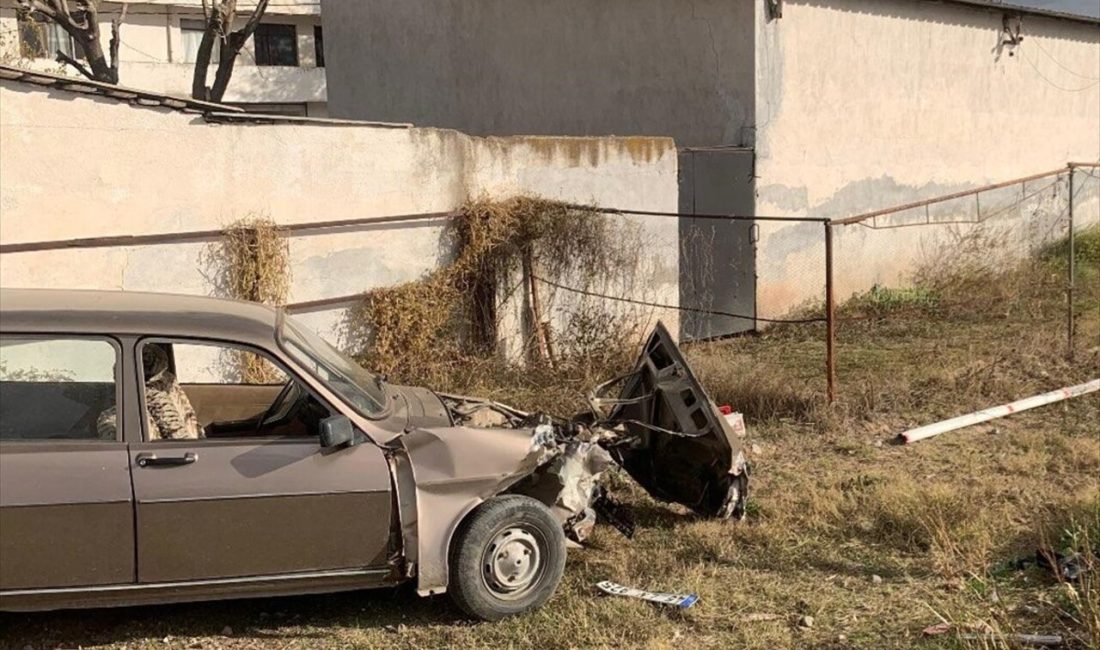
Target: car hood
{"x":678,"y":446}
{"x":417,"y":407}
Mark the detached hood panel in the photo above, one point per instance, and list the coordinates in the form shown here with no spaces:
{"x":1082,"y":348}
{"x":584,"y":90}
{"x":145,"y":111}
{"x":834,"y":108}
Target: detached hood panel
{"x":679,"y":447}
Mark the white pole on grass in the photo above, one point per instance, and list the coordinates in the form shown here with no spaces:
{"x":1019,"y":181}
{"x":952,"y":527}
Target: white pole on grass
{"x":985,"y":415}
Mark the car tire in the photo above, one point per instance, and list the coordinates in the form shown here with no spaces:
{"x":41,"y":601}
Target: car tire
{"x":507,"y":558}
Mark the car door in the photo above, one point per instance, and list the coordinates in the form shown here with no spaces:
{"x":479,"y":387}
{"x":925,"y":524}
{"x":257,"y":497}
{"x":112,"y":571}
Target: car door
{"x":66,"y":507}
{"x":240,"y":506}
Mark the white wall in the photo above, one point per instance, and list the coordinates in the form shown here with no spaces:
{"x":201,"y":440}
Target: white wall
{"x":866,"y":104}
{"x":158,"y":171}
{"x":151,"y":53}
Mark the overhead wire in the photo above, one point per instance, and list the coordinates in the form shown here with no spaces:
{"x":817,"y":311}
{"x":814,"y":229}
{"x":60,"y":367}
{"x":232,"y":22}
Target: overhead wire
{"x":1062,"y":65}
{"x":1025,"y":57}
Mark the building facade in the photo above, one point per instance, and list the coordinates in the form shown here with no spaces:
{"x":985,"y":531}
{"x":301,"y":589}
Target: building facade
{"x":281,"y":69}
{"x":816,"y":108}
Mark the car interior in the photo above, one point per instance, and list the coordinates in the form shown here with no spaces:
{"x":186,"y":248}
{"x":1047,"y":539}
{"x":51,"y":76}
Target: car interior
{"x":43,"y":396}
{"x":225,"y":401}
{"x":229,"y":406}
{"x":61,"y":409}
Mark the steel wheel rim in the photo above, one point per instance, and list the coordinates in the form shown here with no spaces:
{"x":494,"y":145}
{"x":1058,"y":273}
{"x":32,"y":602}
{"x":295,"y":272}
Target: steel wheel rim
{"x":512,"y":562}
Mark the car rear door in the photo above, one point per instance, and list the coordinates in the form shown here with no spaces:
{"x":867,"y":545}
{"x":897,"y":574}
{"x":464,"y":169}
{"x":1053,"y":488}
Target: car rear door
{"x":66,"y":507}
{"x":241,"y":506}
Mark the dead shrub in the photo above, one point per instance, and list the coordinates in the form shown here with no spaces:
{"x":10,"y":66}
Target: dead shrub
{"x":257,"y":261}
{"x":429,"y":330}
{"x":406,"y":330}
{"x":255,"y":267}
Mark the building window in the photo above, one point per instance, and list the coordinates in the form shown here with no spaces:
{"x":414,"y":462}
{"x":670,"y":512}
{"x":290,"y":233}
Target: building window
{"x":41,"y":38}
{"x":276,"y":45}
{"x":191,"y":32}
{"x":319,"y":46}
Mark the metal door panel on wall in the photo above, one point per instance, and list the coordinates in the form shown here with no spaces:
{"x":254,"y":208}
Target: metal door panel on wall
{"x":717,"y":258}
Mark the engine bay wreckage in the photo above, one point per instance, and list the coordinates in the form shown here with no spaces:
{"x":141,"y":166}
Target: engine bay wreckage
{"x":661,"y":428}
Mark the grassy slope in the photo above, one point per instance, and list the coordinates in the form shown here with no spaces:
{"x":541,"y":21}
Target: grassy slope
{"x":834,"y":504}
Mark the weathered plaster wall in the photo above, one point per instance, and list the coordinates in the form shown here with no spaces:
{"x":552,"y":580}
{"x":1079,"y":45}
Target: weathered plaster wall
{"x":573,"y":67}
{"x":76,"y":166}
{"x":865,"y":104}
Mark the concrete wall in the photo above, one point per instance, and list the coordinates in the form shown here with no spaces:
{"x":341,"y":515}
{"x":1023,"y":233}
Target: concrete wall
{"x":865,"y":104}
{"x":158,"y":171}
{"x":151,"y":54}
{"x":572,"y":67}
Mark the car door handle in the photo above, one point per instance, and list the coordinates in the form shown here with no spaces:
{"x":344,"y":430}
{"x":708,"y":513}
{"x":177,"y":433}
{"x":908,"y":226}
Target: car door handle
{"x":152,"y":460}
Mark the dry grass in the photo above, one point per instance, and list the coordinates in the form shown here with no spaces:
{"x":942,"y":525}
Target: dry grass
{"x":874,"y":541}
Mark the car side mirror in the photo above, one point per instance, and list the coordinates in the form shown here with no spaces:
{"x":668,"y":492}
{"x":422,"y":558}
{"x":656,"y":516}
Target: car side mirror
{"x":336,"y":431}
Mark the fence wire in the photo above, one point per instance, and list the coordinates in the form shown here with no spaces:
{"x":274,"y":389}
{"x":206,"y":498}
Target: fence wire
{"x":978,"y":284}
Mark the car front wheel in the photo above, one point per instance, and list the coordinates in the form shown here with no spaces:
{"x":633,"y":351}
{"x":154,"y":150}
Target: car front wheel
{"x":507,"y":558}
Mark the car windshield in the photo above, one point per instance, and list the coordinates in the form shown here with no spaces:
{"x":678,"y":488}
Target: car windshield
{"x":359,"y":387}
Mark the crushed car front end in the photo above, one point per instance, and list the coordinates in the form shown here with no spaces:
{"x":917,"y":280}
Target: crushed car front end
{"x":661,"y":428}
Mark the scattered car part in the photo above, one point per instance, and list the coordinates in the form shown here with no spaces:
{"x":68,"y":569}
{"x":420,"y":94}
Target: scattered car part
{"x":985,"y":415}
{"x":683,"y":601}
{"x":613,"y":512}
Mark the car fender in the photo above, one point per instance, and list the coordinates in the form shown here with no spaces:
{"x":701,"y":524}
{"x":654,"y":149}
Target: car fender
{"x":452,"y":470}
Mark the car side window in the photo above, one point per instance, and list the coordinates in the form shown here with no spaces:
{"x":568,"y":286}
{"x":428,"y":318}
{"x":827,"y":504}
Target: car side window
{"x":200,"y":390}
{"x":57,"y":388}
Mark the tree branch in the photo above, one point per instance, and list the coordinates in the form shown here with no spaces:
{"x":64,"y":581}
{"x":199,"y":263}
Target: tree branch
{"x":116,"y":40}
{"x":91,"y":16}
{"x":65,"y":58}
{"x":33,"y":6}
{"x":62,"y":8}
{"x":254,"y":19}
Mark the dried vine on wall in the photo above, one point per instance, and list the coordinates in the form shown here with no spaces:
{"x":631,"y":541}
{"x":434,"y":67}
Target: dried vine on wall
{"x":256,"y":267}
{"x":422,"y":330}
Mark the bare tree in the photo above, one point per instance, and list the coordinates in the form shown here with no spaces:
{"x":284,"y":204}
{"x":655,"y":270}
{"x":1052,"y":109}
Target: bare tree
{"x":81,"y":22}
{"x":220,"y":15}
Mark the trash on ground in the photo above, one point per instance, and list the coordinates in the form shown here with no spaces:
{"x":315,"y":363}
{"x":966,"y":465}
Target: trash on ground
{"x":1067,"y":567}
{"x":985,"y":415}
{"x":756,"y":617}
{"x":683,"y":601}
{"x":937,"y":629}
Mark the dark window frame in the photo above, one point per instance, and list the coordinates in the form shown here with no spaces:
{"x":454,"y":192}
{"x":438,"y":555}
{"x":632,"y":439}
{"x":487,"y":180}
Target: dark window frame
{"x":318,"y":46}
{"x":265,"y":53}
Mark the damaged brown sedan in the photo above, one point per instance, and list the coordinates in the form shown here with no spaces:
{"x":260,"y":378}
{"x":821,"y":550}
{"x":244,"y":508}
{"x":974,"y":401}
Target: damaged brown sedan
{"x":158,"y":448}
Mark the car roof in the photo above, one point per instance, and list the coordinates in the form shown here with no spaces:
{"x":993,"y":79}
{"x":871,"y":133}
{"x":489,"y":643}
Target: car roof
{"x":134,"y":312}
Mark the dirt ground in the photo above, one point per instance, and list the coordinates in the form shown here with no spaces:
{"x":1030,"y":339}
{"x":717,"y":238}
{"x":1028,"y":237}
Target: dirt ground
{"x":850,"y":540}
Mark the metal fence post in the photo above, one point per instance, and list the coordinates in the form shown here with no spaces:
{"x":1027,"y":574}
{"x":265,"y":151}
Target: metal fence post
{"x":1072,"y":271}
{"x":830,"y":316}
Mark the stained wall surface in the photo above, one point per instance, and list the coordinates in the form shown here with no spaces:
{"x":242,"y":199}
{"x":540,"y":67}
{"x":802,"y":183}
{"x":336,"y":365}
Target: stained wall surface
{"x":79,"y":166}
